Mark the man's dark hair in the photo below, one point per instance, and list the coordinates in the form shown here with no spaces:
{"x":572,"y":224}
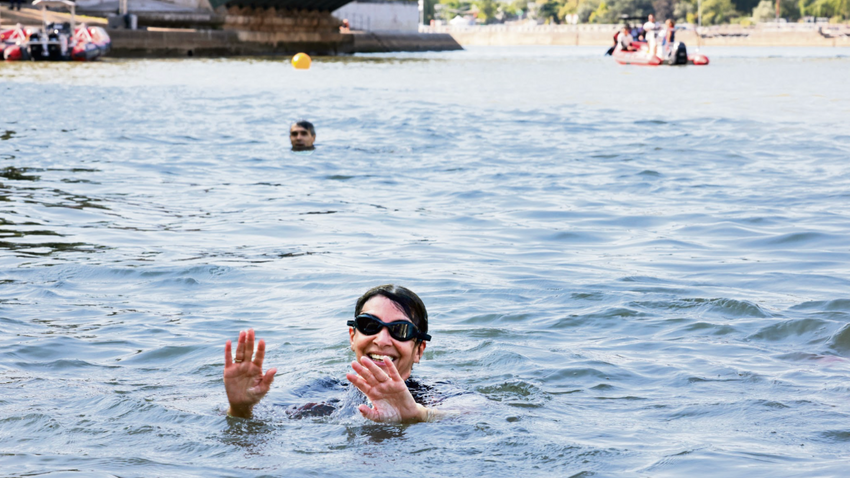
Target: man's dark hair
{"x":306,"y":125}
{"x":406,"y":299}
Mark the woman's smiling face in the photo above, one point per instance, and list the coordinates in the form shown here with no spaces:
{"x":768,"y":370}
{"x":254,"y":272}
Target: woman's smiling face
{"x":403,"y":354}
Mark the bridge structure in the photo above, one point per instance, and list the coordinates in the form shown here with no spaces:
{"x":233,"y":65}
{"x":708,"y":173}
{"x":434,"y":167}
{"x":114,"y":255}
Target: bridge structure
{"x":256,"y":27}
{"x":303,"y":5}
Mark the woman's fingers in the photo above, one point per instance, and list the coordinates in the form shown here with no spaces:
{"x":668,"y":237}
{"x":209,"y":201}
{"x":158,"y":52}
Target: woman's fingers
{"x":249,"y":346}
{"x":240,"y":346}
{"x":392,"y":372}
{"x":245,"y":347}
{"x":227,"y":357}
{"x":264,"y":384}
{"x":268,"y":378}
{"x":260,"y":354}
{"x":245,"y":350}
{"x":359,"y":382}
{"x":368,"y":412}
{"x":376,"y":371}
{"x":363,"y":372}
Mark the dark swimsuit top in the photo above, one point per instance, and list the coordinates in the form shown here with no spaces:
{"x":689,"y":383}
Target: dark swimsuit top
{"x":422,"y":393}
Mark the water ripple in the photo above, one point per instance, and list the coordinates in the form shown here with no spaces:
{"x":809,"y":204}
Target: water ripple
{"x":617,"y":285}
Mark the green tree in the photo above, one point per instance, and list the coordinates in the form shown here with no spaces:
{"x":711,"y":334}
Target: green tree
{"x":451,"y":8}
{"x":685,"y":11}
{"x":585,"y":9}
{"x":789,"y":9}
{"x":515,"y":7}
{"x":765,"y":11}
{"x":823,"y":8}
{"x":600,"y":15}
{"x":715,"y":12}
{"x":549,"y":10}
{"x":429,"y":10}
{"x":568,"y":8}
{"x":745,"y":5}
{"x":638,"y":8}
{"x":486,"y":10}
{"x":663,"y":9}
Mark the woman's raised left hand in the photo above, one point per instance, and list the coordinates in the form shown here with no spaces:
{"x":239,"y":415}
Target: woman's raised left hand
{"x":384,"y":387}
{"x":244,"y":380}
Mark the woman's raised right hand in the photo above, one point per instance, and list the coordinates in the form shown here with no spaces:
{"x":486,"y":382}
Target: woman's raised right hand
{"x":244,"y":380}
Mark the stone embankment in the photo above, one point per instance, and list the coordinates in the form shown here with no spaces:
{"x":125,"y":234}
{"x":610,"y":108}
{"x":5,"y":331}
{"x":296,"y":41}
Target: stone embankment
{"x":222,"y":43}
{"x":601,"y":35}
{"x":233,"y":32}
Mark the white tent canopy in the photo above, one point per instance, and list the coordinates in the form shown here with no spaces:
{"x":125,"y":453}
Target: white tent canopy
{"x":54,"y":3}
{"x":458,"y":21}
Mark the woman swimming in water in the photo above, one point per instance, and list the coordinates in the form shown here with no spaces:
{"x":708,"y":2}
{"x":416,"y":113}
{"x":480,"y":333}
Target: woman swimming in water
{"x":387,"y":335}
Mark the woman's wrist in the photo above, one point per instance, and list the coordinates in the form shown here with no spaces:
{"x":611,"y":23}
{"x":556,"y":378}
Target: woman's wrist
{"x":240,"y":412}
{"x":424,"y":413}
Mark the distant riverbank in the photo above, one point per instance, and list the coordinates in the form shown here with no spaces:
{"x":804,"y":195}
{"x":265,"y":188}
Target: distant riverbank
{"x":598,"y":35}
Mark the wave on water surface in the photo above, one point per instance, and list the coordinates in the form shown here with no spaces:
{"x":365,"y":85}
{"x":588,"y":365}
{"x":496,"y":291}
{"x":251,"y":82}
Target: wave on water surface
{"x":617,"y":285}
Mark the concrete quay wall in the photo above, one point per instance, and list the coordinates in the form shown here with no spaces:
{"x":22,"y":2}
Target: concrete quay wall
{"x":772,"y":38}
{"x":494,"y":37}
{"x":237,"y":18}
{"x":385,"y":42}
{"x":223,"y":43}
{"x":217,"y":43}
{"x":602,"y":35}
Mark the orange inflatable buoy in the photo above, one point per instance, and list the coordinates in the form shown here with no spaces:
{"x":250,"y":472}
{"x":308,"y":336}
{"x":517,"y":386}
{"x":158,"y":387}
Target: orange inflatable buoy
{"x":301,"y":61}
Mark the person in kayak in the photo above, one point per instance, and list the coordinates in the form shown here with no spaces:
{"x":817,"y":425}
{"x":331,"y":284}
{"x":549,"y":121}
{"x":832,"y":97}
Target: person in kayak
{"x":302,"y":135}
{"x":388,"y":335}
{"x":624,"y":40}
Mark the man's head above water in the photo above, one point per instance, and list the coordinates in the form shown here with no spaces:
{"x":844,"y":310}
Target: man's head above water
{"x":302,"y":135}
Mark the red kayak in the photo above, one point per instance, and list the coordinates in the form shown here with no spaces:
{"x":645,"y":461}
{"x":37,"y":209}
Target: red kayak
{"x":639,"y":55}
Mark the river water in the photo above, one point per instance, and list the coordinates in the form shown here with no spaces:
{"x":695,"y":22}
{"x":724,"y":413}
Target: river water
{"x":629,"y":271}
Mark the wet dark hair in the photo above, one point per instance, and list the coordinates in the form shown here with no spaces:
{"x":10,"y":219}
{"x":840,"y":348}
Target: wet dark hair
{"x":404,"y":298}
{"x":306,"y":125}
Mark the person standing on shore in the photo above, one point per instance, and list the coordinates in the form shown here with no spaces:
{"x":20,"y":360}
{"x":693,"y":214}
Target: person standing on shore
{"x":13,"y":2}
{"x":650,"y":28}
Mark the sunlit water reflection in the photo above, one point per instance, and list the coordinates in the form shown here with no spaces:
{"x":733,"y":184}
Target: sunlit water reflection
{"x":631,"y":271}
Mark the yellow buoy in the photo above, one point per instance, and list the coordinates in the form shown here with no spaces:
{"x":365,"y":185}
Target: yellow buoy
{"x":301,"y":61}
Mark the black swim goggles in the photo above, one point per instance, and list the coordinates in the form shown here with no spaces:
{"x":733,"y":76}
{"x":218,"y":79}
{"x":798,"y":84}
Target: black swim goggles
{"x":400,"y":330}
